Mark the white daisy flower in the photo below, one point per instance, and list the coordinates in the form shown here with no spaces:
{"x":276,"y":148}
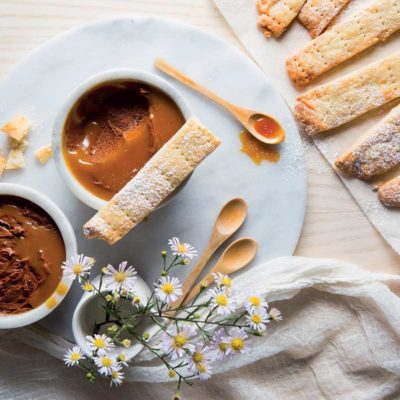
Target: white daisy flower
{"x":223,"y":280}
{"x":100,"y":344}
{"x":275,"y":314}
{"x":122,"y":279}
{"x":176,"y":340}
{"x":254,"y":302}
{"x":258,"y":319}
{"x":182,"y":249}
{"x":168,"y":289}
{"x":106,"y":364}
{"x":202,"y":355}
{"x":237,"y":342}
{"x":223,"y":301}
{"x":204,"y":370}
{"x":219,"y":343}
{"x":73,"y":356}
{"x":117,"y":376}
{"x":77,"y":265}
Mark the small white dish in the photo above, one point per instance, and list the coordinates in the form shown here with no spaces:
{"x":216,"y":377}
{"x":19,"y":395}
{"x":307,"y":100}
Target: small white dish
{"x":68,"y":235}
{"x":112,"y":75}
{"x":89,"y":310}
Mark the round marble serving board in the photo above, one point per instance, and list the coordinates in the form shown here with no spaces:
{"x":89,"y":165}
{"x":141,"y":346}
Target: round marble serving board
{"x":276,"y":193}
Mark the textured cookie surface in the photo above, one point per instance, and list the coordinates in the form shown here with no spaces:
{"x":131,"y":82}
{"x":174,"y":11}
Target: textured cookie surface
{"x":376,"y":152}
{"x":162,"y":174}
{"x":316,"y":15}
{"x":338,"y":102}
{"x":345,"y":40}
{"x":389,"y":193}
{"x":277,"y":15}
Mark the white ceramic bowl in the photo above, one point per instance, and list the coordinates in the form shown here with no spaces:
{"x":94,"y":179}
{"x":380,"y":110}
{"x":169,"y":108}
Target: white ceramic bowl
{"x":117,"y":74}
{"x":68,"y":235}
{"x":88,"y":311}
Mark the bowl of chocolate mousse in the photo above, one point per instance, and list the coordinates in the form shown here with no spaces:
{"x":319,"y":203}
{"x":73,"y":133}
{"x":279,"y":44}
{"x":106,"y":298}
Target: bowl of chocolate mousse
{"x":35,"y":239}
{"x":108,"y":129}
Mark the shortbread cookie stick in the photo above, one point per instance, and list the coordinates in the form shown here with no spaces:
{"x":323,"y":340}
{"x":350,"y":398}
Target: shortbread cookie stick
{"x":375,"y":152}
{"x":345,"y":40}
{"x":345,"y":99}
{"x":389,"y":193}
{"x":162,"y":174}
{"x":316,"y":15}
{"x":277,"y":15}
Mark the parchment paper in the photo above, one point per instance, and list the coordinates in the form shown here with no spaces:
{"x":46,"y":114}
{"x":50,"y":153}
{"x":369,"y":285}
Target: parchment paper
{"x":271,"y":54}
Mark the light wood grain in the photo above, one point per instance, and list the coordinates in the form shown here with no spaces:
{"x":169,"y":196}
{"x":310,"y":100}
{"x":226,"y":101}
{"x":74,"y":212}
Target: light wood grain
{"x":335,"y":227}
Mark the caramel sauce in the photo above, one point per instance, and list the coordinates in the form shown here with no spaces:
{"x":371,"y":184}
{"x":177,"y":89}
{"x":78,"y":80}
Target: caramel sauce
{"x":268,"y":127}
{"x":258,"y":151}
{"x":31,"y":254}
{"x":113,"y":130}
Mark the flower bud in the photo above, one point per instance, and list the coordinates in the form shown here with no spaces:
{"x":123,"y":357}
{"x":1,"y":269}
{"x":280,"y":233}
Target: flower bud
{"x":176,"y":396}
{"x":164,"y":273}
{"x":185,"y":261}
{"x":113,"y":328}
{"x":146,"y":336}
{"x":203,"y":284}
{"x":109,"y":298}
{"x":90,"y":376}
{"x":171,"y":373}
{"x":163,"y":254}
{"x":126,"y":343}
{"x":136,"y":300}
{"x":104,"y":270}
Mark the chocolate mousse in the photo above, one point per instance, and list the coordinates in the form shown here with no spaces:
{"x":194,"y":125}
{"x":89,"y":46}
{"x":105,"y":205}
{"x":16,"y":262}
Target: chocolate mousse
{"x":113,"y":130}
{"x":31,"y":253}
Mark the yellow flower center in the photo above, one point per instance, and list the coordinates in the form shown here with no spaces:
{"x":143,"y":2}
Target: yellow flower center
{"x":255,"y":301}
{"x":114,"y":374}
{"x":222,"y":347}
{"x":202,"y":368}
{"x":168,"y":288}
{"x":221,"y":299}
{"x":75,"y":356}
{"x":106,"y":362}
{"x":181,"y":248}
{"x":226,"y":281}
{"x":99,"y":343}
{"x":77,"y":268}
{"x":119,"y":276}
{"x":88,"y":287}
{"x":198,"y":357}
{"x":122,"y":357}
{"x":256,"y":318}
{"x":179,"y":341}
{"x":237,"y":344}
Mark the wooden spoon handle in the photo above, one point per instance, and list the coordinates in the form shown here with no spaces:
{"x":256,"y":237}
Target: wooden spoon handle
{"x":178,"y":75}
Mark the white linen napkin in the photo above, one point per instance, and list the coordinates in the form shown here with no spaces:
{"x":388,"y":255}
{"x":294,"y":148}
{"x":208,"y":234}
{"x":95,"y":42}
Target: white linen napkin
{"x":340,"y":339}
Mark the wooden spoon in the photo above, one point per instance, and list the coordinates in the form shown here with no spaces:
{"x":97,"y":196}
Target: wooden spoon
{"x":248,"y":118}
{"x":235,"y":257}
{"x":229,"y":220}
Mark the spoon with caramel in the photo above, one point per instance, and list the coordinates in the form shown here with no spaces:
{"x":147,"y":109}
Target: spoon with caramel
{"x":262,"y":126}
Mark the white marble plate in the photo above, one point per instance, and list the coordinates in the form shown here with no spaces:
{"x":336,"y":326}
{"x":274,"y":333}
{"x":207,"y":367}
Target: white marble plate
{"x":276,"y":193}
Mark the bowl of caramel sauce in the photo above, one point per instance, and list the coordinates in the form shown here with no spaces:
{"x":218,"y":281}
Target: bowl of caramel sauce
{"x":35,"y":240}
{"x":108,"y":129}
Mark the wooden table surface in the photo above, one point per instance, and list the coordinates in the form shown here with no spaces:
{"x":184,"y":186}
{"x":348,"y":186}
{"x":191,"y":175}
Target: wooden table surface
{"x":335,"y":227}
